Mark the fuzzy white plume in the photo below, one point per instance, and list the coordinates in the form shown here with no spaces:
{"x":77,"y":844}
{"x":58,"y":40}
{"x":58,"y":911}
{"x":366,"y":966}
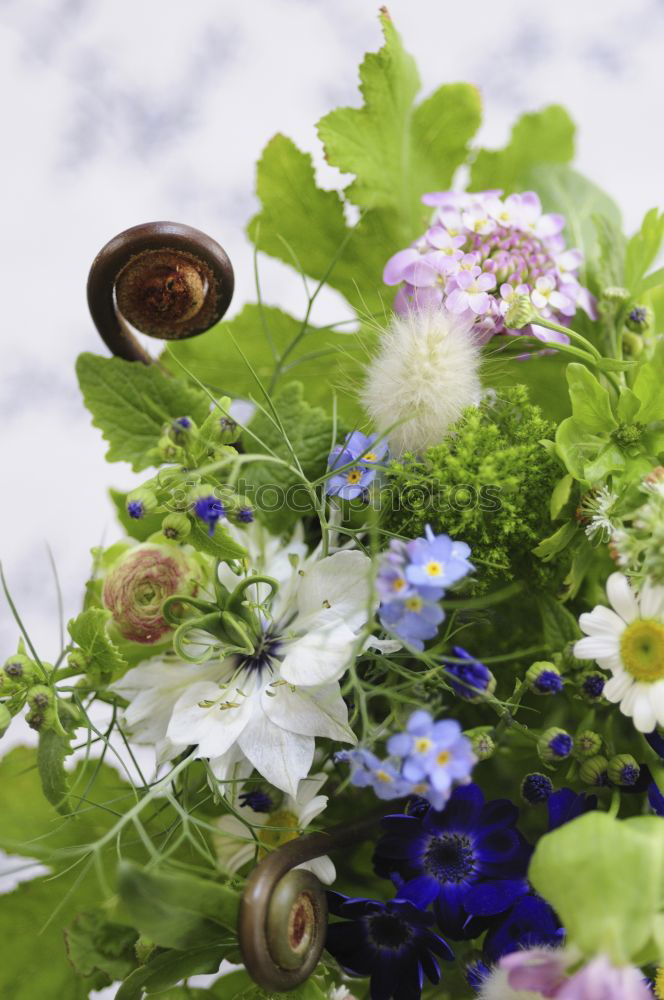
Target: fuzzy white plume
{"x":496,"y":987}
{"x":425,"y":374}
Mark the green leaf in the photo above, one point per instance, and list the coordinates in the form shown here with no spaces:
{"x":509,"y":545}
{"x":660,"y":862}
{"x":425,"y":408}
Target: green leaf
{"x":628,"y":405}
{"x":397,"y":152}
{"x":130,"y":402}
{"x":642,"y":250}
{"x":100,"y":951}
{"x":307,"y":435}
{"x":555,"y":543}
{"x":545,"y":136}
{"x":654,"y":280}
{"x":580,"y":201}
{"x":220,"y":545}
{"x":595,"y":850}
{"x":591,"y":406}
{"x":573,"y":447}
{"x":166,"y":968}
{"x":176,"y":910}
{"x":263,"y":335}
{"x":305,"y":226}
{"x":53,"y":747}
{"x":560,"y":495}
{"x":240,"y":986}
{"x":611,"y":252}
{"x":559,"y":625}
{"x":648,"y":387}
{"x":104,"y":660}
{"x":610,"y":459}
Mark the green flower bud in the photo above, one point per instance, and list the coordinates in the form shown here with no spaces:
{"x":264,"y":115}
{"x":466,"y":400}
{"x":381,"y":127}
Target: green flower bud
{"x":168,"y":450}
{"x":544,"y":677}
{"x":591,"y":685}
{"x":588,"y":743}
{"x":615,"y":294}
{"x":77,"y":661}
{"x":5,"y":719}
{"x":141,"y":502}
{"x":520,"y":313}
{"x":624,"y":770}
{"x":180,"y":430}
{"x":143,"y":949}
{"x":639,"y":319}
{"x":40,"y":698}
{"x":19,"y":669}
{"x":593,"y":770}
{"x":483,"y":746}
{"x":554,"y":745}
{"x":632,"y":344}
{"x":536,"y":788}
{"x":176,"y":527}
{"x":139,"y":582}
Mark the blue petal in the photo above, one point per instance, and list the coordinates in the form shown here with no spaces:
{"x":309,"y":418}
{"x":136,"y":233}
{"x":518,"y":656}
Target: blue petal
{"x":497,"y":844}
{"x":449,"y":910}
{"x":656,"y":799}
{"x":656,"y":741}
{"x":489,"y":898}
{"x":421,"y":891}
{"x":529,"y":923}
{"x":462,"y":812}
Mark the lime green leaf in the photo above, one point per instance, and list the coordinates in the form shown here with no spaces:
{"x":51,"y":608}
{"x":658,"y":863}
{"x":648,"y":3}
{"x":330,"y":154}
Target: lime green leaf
{"x":591,"y":406}
{"x":545,"y":136}
{"x":654,"y":280}
{"x":574,"y":446}
{"x":220,"y":545}
{"x":306,"y":438}
{"x":305,"y":226}
{"x":240,"y":986}
{"x":100,"y":951}
{"x":560,"y":495}
{"x":648,"y":387}
{"x":130,"y":402}
{"x":610,"y":459}
{"x":580,"y":201}
{"x":642,"y":250}
{"x":628,"y":405}
{"x":104,"y":660}
{"x":559,"y":625}
{"x":595,"y":850}
{"x":395,"y":152}
{"x":166,"y":968}
{"x":555,"y":543}
{"x":175,"y":910}
{"x":611,"y":252}
{"x":53,"y":747}
{"x":263,"y":335}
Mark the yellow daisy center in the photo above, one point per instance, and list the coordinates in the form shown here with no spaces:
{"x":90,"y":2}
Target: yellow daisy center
{"x":434,"y":568}
{"x":354,"y":476}
{"x":659,"y":983}
{"x":443,"y":758}
{"x":288,"y":822}
{"x":642,"y":650}
{"x":423,"y":745}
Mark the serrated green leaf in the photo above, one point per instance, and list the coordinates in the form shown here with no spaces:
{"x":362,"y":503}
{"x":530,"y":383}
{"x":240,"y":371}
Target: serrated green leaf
{"x":642,"y":250}
{"x":648,"y":387}
{"x":175,"y":910}
{"x":54,"y":746}
{"x":545,"y":136}
{"x":102,"y":952}
{"x":555,"y":543}
{"x":398,"y":152}
{"x":262,"y":335}
{"x":591,"y":406}
{"x":104,"y":661}
{"x":220,"y":545}
{"x":130,"y":402}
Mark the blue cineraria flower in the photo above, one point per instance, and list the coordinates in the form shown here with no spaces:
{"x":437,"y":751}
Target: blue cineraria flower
{"x":434,"y":753}
{"x":529,"y":923}
{"x":245,"y":515}
{"x":368,"y":771}
{"x":436,"y":561}
{"x":210,"y":509}
{"x":473,"y":678}
{"x":536,"y":788}
{"x":413,"y":619}
{"x":135,"y":509}
{"x":467,"y":860}
{"x":555,"y":745}
{"x":365,"y":453}
{"x":565,"y":805}
{"x":392,"y":943}
{"x":183,"y":422}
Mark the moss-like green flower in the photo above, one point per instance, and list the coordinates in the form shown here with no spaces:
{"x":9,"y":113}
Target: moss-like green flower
{"x":139,"y":582}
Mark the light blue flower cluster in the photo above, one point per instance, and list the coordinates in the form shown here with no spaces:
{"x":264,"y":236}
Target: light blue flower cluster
{"x":366,"y":454}
{"x":412,"y":579}
{"x":427,"y":759}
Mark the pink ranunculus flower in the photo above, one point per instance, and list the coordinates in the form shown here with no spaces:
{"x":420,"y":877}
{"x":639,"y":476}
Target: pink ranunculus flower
{"x":599,"y":980}
{"x":139,"y":582}
{"x":541,"y":970}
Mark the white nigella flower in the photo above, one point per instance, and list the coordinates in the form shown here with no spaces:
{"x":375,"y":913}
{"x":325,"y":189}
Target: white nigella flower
{"x":629,"y":641}
{"x":424,"y":376}
{"x":235,"y":845}
{"x":263,"y":708}
{"x":596,"y":509}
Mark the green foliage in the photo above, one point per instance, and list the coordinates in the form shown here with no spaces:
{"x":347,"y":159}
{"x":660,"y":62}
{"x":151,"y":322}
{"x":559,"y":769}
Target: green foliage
{"x":545,"y":136}
{"x":605,"y":879}
{"x":165,"y":968}
{"x":103,"y":659}
{"x":641,"y":253}
{"x":138,"y":528}
{"x":498,"y":446}
{"x":300,"y":436}
{"x":54,"y":746}
{"x":102,"y":952}
{"x":591,"y":406}
{"x":130,"y":402}
{"x":261,"y":338}
{"x":175,"y":910}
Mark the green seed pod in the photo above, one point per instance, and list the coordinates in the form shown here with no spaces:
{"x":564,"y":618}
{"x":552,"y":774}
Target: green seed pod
{"x":593,"y":770}
{"x":176,"y":527}
{"x":5,"y":719}
{"x":588,"y":744}
{"x":624,"y":770}
{"x":554,"y":745}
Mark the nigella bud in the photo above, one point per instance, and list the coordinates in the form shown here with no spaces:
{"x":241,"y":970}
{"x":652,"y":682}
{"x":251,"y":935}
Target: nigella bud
{"x":5,"y":719}
{"x":639,"y":319}
{"x":588,"y":743}
{"x":138,"y":583}
{"x":554,"y":745}
{"x":176,"y":527}
{"x":593,"y":770}
{"x":536,"y":788}
{"x":632,"y":344}
{"x":141,"y":502}
{"x":520,"y":313}
{"x":544,"y":678}
{"x":623,"y":770}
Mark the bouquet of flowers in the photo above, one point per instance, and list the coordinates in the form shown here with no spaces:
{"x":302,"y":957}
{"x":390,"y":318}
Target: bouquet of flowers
{"x":396,"y":582}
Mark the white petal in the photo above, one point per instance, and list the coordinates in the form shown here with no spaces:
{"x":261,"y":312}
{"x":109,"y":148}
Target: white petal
{"x":657,"y":700}
{"x":308,"y":789}
{"x":282,"y":758}
{"x":230,"y":769}
{"x":629,"y":700}
{"x":594,"y":646}
{"x":322,"y":868}
{"x":320,"y":656}
{"x":617,"y":687}
{"x":314,"y":808}
{"x":385,"y":646}
{"x":622,"y":597}
{"x":309,"y":711}
{"x":644,"y":713}
{"x":212,"y":729}
{"x":613,"y":663}
{"x":338,"y":586}
{"x":601,"y":621}
{"x":651,"y":601}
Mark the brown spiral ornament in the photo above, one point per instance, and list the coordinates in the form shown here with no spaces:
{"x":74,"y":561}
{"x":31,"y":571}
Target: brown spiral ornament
{"x":165,"y":279}
{"x":282,"y":923}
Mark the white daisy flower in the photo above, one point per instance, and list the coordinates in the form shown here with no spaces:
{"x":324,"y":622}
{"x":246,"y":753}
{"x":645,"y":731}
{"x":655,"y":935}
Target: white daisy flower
{"x":235,"y":845}
{"x":263,"y":709}
{"x":629,"y":641}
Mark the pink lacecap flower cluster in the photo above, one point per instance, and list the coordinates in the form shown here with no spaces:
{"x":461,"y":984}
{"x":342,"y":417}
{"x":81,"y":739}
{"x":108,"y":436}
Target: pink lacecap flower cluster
{"x":481,"y":251}
{"x":544,"y":971}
